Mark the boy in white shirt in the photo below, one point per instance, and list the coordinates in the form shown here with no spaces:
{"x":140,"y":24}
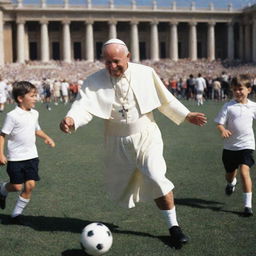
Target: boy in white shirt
{"x":21,"y":126}
{"x":235,"y":122}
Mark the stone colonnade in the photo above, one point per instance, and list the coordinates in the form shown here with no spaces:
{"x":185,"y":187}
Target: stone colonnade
{"x":247,"y":40}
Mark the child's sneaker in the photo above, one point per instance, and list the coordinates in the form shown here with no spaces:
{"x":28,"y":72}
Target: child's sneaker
{"x":248,"y":212}
{"x":229,"y":189}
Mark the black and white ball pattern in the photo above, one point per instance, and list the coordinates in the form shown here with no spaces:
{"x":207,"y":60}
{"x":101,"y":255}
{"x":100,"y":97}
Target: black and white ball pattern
{"x":96,"y":239}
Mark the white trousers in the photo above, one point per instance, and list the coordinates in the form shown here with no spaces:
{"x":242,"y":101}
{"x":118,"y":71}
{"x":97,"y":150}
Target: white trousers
{"x":135,"y":167}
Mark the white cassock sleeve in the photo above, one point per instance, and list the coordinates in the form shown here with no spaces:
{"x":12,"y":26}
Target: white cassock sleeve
{"x":79,"y":113}
{"x":171,"y":107}
{"x":175,"y":111}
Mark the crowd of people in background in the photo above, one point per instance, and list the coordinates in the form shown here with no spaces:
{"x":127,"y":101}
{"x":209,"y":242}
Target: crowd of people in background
{"x":200,"y":88}
{"x":59,"y":82}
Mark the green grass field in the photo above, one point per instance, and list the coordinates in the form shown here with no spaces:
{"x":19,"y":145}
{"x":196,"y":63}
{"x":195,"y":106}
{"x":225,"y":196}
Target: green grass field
{"x":70,"y":195}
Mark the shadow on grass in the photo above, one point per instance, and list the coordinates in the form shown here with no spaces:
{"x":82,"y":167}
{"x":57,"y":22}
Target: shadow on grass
{"x":164,"y":239}
{"x":73,"y":252}
{"x":66,"y":224}
{"x":205,"y":204}
{"x":45,"y":223}
{"x":199,"y":203}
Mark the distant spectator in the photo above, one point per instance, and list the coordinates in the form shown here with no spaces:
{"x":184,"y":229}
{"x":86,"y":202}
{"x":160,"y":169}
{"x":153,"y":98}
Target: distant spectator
{"x":190,"y":87}
{"x":3,"y":94}
{"x":217,"y":89}
{"x":73,"y":88}
{"x":65,"y":91}
{"x":200,"y":86}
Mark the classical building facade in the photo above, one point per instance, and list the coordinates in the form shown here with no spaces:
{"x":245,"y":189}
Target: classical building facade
{"x":69,"y":31}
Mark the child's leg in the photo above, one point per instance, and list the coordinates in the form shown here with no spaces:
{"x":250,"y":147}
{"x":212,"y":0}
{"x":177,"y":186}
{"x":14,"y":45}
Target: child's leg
{"x":201,"y":99}
{"x":231,"y":182}
{"x":246,"y":178}
{"x":247,"y":185}
{"x":28,"y":187}
{"x":5,"y":188}
{"x":231,"y":177}
{"x":24,"y":198}
{"x":9,"y":187}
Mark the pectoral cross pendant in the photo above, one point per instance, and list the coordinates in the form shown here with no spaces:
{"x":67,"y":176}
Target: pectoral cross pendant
{"x":123,"y":111}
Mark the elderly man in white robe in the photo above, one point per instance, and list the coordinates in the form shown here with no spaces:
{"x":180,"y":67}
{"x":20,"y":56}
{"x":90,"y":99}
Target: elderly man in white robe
{"x":124,"y":94}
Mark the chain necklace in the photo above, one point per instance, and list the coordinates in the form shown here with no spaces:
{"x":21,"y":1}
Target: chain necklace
{"x":120,"y":95}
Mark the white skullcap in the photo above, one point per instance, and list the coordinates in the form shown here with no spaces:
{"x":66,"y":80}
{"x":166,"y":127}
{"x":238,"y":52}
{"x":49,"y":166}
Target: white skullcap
{"x":114,"y":41}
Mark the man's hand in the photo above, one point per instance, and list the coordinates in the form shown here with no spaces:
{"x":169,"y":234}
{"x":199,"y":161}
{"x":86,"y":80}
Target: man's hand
{"x":196,"y":118}
{"x":67,"y":124}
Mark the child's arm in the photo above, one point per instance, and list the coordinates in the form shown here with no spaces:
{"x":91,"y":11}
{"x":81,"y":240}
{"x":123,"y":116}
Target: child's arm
{"x":45,"y":137}
{"x":3,"y":159}
{"x":223,"y":131}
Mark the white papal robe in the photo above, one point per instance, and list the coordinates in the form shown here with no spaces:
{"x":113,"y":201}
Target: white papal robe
{"x":135,"y":167}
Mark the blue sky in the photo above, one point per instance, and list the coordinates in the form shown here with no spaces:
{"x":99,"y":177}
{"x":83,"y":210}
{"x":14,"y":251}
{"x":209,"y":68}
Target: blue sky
{"x":184,"y":3}
{"x":199,"y":3}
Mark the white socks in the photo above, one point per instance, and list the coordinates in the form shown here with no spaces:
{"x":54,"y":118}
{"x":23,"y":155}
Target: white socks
{"x":234,"y":181}
{"x":170,"y":216}
{"x":247,"y":199}
{"x":20,"y":206}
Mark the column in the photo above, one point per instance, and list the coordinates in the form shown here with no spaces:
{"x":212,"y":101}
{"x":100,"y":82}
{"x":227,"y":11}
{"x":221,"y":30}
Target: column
{"x":19,"y":3}
{"x":111,"y":4}
{"x":254,"y":40}
{"x":66,"y":41}
{"x":247,"y":42}
{"x":230,"y":40}
{"x":230,"y":7}
{"x":193,"y":6}
{"x":154,"y":42}
{"x":154,"y":4}
{"x":211,"y":41}
{"x":89,"y":4}
{"x":66,"y":4}
{"x":135,"y":50}
{"x":43,"y":3}
{"x":44,"y":41}
{"x":173,"y":6}
{"x":89,"y":42}
{"x":1,"y":39}
{"x":211,"y":6}
{"x":26,"y":44}
{"x":133,"y":4}
{"x":241,"y":41}
{"x":20,"y":41}
{"x":192,"y":41}
{"x":173,"y":41}
{"x":112,"y":29}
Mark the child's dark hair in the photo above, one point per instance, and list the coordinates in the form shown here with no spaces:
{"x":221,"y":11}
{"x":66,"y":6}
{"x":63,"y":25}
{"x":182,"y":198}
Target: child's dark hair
{"x":241,"y":80}
{"x":21,"y":88}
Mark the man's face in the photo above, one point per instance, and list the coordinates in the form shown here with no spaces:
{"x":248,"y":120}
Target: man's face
{"x":116,"y":59}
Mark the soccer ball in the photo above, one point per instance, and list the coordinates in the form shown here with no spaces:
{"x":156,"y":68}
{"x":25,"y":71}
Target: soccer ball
{"x":96,"y":239}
